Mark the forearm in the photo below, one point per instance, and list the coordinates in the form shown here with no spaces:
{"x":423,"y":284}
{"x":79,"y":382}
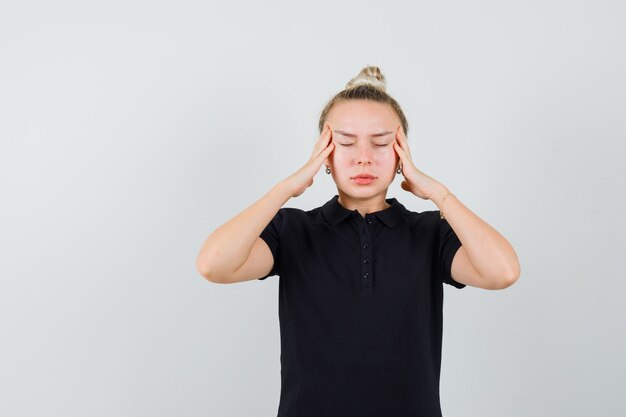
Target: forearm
{"x":489,"y":252}
{"x":228,"y":247}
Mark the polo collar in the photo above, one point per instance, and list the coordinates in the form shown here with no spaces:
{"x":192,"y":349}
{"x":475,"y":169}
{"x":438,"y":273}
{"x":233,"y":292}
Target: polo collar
{"x":335,"y":212}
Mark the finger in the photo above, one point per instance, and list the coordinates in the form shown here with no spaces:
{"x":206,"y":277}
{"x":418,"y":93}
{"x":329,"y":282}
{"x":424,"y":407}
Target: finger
{"x":398,"y":137}
{"x":319,"y":159}
{"x":398,"y":143}
{"x":326,"y":137}
{"x":403,"y":142}
{"x":322,"y":141}
{"x":327,"y":132}
{"x":400,"y":152}
{"x":326,"y":150}
{"x":395,"y":144}
{"x":401,"y":137}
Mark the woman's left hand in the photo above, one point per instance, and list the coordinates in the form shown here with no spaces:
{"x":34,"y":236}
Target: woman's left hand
{"x":415,"y":181}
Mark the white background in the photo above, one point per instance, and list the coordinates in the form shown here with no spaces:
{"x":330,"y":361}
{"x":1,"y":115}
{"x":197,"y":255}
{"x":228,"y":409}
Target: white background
{"x":131,"y":130}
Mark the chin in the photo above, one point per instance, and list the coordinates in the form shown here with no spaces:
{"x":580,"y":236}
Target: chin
{"x":363,"y":190}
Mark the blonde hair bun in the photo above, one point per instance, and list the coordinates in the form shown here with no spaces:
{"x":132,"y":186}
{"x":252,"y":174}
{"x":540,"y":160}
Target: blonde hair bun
{"x":369,"y":85}
{"x":369,"y":76}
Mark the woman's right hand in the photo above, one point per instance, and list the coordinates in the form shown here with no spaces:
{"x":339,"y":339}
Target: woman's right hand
{"x":302,"y":179}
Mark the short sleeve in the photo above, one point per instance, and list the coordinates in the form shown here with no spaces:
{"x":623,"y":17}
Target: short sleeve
{"x":448,"y":245}
{"x":271,"y":236}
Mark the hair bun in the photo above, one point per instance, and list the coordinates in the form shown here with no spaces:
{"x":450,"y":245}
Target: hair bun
{"x":369,"y":76}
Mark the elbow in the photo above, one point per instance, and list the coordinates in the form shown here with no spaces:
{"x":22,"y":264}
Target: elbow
{"x":205,"y":272}
{"x":511,"y":278}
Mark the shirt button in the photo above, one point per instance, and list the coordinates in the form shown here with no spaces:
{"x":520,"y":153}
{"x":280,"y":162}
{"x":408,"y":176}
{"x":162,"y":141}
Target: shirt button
{"x":366,"y":261}
{"x":366,"y":275}
{"x":366,"y":245}
{"x":369,"y":220}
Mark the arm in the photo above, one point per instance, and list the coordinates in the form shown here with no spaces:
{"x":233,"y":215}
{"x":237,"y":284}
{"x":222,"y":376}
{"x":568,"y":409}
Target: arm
{"x":485,"y":259}
{"x":229,"y":246}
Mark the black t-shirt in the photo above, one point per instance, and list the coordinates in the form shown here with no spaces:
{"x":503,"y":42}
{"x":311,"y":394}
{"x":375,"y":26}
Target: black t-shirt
{"x":360,"y":309}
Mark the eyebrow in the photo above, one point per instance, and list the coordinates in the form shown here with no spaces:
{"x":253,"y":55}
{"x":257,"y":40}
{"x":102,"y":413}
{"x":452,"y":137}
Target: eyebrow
{"x":352,"y":135}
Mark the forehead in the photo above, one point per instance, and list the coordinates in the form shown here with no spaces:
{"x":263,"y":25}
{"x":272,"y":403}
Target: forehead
{"x":365,"y":115}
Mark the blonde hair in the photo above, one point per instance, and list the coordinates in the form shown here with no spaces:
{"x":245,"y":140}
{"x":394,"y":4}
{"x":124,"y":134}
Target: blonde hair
{"x":369,"y":84}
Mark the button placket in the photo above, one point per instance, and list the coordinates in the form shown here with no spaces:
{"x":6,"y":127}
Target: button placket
{"x":366,"y":278}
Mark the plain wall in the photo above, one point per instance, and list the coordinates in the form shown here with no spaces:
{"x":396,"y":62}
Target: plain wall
{"x":131,"y":130}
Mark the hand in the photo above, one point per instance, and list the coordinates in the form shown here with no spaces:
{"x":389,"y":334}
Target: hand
{"x":302,"y":179}
{"x":415,"y":180}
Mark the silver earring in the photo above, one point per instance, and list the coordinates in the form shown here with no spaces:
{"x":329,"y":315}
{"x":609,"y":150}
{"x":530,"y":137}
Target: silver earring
{"x":327,"y":170}
{"x":399,"y":170}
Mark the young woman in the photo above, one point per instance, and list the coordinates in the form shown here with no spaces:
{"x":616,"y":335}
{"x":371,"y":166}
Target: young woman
{"x":361,"y":277}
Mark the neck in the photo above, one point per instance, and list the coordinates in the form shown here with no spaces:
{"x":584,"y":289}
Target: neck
{"x":364,"y":205}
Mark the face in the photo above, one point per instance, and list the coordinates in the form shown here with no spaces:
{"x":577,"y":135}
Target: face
{"x":363,"y":133}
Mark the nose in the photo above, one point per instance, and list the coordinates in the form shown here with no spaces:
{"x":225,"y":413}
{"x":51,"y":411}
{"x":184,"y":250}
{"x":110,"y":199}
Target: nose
{"x":364,"y":156}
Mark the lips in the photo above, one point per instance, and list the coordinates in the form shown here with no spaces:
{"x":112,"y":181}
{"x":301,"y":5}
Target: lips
{"x":364,"y":176}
